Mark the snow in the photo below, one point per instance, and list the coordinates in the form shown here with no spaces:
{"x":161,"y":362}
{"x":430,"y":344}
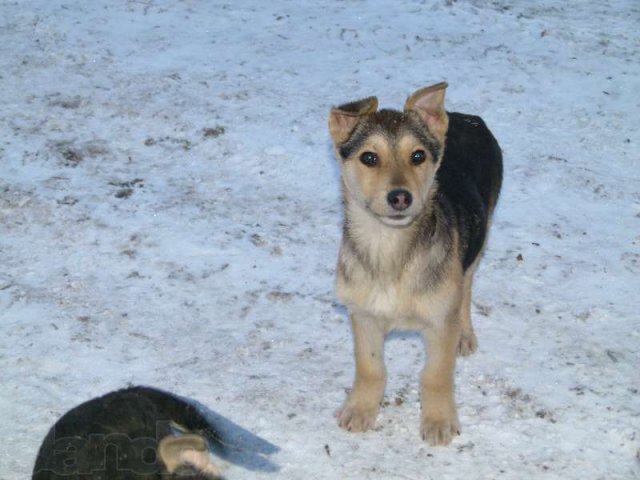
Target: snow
{"x":143,"y":244}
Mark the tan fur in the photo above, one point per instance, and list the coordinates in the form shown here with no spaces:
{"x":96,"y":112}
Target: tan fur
{"x":392,"y":300}
{"x":191,"y":450}
{"x":387,"y":282}
{"x":370,"y":186}
{"x":341,"y":123}
{"x":468,"y":343}
{"x":429,"y":104}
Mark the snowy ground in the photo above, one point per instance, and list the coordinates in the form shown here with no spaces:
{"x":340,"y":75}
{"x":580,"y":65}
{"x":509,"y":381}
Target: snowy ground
{"x":170,"y":216}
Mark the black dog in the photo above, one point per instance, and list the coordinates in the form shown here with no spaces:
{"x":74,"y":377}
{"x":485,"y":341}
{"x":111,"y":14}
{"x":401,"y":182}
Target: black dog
{"x":137,"y":433}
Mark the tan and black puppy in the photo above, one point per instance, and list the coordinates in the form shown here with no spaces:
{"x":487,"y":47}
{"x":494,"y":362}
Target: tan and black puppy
{"x":419,"y":189}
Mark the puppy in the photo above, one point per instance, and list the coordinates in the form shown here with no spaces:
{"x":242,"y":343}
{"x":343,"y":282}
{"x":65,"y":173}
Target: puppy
{"x":137,"y":433}
{"x":419,"y":189}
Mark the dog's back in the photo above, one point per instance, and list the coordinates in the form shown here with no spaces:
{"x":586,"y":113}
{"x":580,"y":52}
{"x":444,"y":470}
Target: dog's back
{"x":469,"y":180}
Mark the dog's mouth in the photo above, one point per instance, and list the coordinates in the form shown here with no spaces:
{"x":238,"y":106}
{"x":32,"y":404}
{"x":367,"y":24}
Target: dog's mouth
{"x":396,"y":220}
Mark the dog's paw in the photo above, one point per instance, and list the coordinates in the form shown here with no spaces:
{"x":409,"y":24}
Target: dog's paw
{"x":356,"y":419}
{"x":467,"y":344}
{"x":440,"y":431}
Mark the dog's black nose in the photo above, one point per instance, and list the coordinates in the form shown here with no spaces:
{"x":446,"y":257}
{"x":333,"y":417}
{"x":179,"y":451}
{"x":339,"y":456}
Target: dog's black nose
{"x":399,"y":199}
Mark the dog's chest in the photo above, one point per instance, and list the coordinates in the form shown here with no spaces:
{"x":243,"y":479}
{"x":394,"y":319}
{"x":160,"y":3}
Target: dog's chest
{"x":383,"y":279}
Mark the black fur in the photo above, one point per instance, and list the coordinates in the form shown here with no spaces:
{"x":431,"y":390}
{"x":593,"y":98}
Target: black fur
{"x":388,"y":122}
{"x":469,"y":180}
{"x":113,"y":437}
{"x":356,"y":137}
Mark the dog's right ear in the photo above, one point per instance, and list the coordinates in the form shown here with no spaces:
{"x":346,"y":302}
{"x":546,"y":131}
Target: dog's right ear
{"x":343,"y":119}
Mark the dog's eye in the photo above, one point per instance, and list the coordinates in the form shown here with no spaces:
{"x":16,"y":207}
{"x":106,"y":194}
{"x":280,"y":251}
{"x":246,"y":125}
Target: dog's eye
{"x":370,"y":159}
{"x":418,"y":157}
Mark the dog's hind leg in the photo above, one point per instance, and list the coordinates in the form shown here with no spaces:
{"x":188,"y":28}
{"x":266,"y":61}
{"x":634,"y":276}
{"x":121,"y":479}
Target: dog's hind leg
{"x":468,"y":342}
{"x":360,"y":410}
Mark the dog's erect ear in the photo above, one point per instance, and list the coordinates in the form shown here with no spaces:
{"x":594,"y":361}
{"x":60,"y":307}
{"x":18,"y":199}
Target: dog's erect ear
{"x":343,"y":119}
{"x":428,"y":103}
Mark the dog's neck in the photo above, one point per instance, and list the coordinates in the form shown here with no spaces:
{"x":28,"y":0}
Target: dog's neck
{"x":381,"y":248}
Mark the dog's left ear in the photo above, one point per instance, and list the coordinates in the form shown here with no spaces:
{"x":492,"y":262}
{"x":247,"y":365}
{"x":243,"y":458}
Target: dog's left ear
{"x":343,"y":119}
{"x":428,"y":103}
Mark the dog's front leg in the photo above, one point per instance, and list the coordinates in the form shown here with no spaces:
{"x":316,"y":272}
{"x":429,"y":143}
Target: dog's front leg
{"x":439,"y":415}
{"x":360,"y":409}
